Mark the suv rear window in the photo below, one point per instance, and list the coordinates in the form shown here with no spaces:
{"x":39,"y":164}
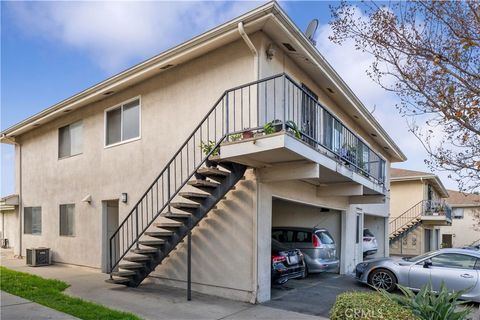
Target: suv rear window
{"x":303,"y":236}
{"x":325,"y":237}
{"x":367,"y":233}
{"x":283,"y":235}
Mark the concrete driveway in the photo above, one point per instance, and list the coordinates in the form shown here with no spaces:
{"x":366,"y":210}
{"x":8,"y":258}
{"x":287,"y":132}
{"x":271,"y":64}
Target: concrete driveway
{"x":314,"y":295}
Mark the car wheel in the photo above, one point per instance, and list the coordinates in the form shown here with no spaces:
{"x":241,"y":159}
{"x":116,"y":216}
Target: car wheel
{"x":305,"y":273}
{"x":383,"y":279}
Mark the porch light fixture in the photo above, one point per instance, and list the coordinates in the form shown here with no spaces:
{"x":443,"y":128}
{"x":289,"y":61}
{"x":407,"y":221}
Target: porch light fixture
{"x":270,"y":52}
{"x":124,"y":197}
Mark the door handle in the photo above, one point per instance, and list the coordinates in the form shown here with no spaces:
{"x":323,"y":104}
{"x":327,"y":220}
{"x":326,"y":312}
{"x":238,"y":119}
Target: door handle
{"x":466,"y":275}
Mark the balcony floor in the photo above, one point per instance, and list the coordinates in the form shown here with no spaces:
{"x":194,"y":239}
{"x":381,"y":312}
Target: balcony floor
{"x":281,"y":149}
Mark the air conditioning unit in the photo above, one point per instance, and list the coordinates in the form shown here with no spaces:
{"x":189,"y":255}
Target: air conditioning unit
{"x":38,"y":257}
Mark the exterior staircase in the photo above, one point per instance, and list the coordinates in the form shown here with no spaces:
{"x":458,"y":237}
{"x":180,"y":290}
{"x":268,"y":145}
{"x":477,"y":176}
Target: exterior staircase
{"x":154,"y":246}
{"x":413,"y":217}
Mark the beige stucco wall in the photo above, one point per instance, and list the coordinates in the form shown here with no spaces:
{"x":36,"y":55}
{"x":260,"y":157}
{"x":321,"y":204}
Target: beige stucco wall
{"x":404,"y":195}
{"x":464,"y":231}
{"x":171,"y":106}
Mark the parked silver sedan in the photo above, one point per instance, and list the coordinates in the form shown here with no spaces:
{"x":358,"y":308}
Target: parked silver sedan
{"x":457,"y":268}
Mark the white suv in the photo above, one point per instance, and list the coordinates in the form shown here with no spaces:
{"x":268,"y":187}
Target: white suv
{"x":369,"y":243}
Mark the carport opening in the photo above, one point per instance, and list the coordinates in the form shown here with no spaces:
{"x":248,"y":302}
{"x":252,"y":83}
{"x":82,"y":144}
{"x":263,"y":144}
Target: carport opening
{"x":314,"y":230}
{"x":373,"y":245}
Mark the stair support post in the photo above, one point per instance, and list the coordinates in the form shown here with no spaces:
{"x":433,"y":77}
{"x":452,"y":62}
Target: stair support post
{"x":189,"y":266}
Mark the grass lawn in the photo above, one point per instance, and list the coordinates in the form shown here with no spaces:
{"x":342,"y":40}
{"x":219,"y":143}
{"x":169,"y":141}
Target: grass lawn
{"x":50,"y":294}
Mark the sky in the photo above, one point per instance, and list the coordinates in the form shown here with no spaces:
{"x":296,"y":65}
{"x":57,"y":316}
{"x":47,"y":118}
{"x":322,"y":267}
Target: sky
{"x":53,"y":50}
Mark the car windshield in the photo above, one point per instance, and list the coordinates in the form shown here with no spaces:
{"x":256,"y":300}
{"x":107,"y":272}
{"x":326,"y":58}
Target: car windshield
{"x":367,"y":233}
{"x":418,"y":258}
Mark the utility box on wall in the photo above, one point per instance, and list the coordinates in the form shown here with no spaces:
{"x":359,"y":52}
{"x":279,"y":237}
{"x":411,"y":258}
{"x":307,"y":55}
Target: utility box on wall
{"x":37,"y":257}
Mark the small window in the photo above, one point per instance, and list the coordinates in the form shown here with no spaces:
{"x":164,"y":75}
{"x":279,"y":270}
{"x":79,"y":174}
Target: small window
{"x":122,"y":123}
{"x":32,"y":220}
{"x":70,"y":140}
{"x":67,"y":219}
{"x":454,"y":260}
{"x":457,"y":213}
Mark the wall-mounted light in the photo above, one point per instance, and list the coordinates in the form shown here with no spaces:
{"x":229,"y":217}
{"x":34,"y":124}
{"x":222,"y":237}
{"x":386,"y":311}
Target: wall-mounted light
{"x":270,"y":52}
{"x":124,"y":197}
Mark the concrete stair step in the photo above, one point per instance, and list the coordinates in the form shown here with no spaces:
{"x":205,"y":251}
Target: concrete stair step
{"x":145,"y":250}
{"x":118,"y":281}
{"x":131,"y":266}
{"x":159,"y":234}
{"x":151,"y":243}
{"x":203,"y":184}
{"x":125,"y":273}
{"x":172,"y":224}
{"x":194,"y":196}
{"x":137,"y":258}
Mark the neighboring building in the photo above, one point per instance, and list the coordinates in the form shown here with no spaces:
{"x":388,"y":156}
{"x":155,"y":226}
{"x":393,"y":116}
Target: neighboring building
{"x":98,"y":172}
{"x":417,"y":210}
{"x":465,"y":228}
{"x":9,"y":233}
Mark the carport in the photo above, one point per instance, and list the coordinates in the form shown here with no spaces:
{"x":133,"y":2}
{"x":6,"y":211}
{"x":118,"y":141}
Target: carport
{"x":286,"y":213}
{"x":377,"y":225}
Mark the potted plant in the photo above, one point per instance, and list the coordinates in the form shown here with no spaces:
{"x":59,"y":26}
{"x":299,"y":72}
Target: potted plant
{"x":235,"y":137}
{"x":248,"y":134}
{"x":207,"y":148}
{"x":272,"y":127}
{"x":292,"y":126}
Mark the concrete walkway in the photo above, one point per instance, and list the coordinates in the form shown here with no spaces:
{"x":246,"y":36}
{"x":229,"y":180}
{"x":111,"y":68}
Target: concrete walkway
{"x":16,"y":308}
{"x":150,"y":301}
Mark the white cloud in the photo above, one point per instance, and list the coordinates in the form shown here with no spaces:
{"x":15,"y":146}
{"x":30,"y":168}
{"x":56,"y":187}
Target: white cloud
{"x":116,"y":33}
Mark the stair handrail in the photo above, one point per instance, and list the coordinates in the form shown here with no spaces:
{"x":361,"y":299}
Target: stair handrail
{"x":405,"y":216}
{"x":171,"y":195}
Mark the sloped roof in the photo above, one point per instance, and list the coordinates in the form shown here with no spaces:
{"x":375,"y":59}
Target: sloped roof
{"x":459,"y":199}
{"x":400,"y":173}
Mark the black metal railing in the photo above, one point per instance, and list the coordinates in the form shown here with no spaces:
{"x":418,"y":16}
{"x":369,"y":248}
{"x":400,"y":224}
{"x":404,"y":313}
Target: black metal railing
{"x":272,"y":104}
{"x":422,"y":208}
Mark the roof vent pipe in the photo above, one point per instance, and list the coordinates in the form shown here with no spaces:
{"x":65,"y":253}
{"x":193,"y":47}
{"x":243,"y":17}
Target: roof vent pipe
{"x":252,"y":48}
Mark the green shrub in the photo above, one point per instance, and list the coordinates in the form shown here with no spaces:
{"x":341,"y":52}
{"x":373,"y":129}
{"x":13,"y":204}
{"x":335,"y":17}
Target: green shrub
{"x":368,"y":306}
{"x":428,"y":305}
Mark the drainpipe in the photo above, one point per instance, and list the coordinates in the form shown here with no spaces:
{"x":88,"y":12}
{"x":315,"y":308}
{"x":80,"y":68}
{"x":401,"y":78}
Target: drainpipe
{"x":252,"y":48}
{"x":256,"y":76}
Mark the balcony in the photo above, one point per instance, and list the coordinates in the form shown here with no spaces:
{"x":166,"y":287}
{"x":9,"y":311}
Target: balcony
{"x":436,"y":213}
{"x":279,"y":125}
